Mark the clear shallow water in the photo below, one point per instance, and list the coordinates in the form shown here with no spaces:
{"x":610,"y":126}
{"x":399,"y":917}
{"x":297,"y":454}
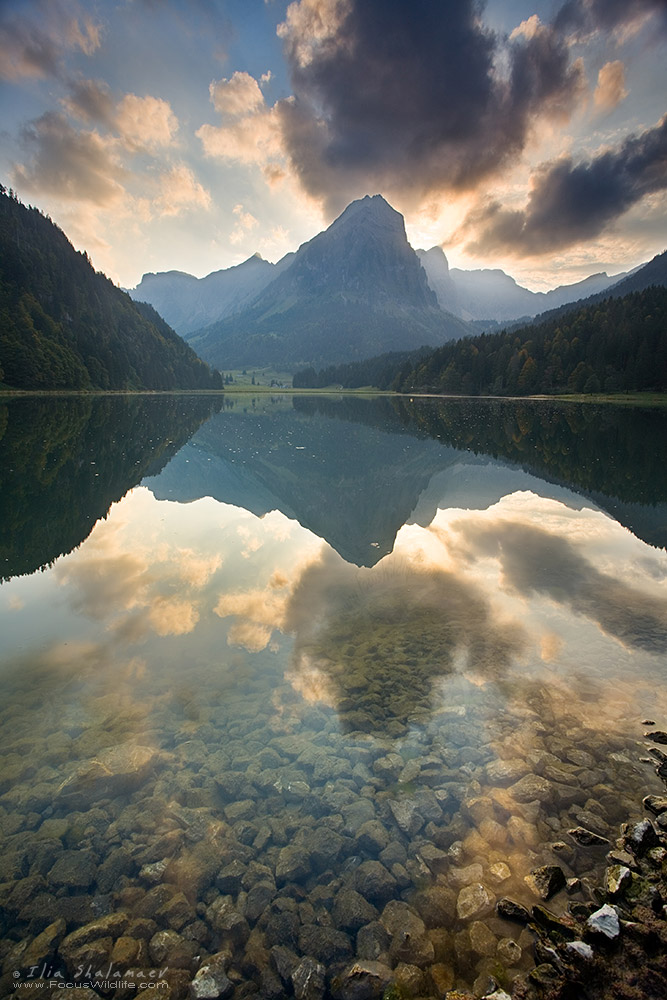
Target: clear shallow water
{"x":321,"y":676}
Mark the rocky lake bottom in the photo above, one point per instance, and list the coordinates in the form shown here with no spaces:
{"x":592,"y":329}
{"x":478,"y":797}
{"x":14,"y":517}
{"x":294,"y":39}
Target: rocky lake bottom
{"x":313,"y":705}
{"x":265,"y":845}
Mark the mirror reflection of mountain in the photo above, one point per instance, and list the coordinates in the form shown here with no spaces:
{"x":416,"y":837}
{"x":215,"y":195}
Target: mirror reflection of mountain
{"x":65,"y":460}
{"x":613,"y":455}
{"x":354,"y":470}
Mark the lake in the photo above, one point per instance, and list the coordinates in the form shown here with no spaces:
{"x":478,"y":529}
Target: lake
{"x":308,"y":681}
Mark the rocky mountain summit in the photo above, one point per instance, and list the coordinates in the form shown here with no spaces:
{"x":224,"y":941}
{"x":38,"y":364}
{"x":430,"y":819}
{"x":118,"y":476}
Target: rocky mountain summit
{"x":353,"y":291}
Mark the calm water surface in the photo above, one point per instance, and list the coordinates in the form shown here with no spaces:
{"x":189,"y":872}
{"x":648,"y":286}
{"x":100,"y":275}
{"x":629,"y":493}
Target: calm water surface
{"x":313,"y":681}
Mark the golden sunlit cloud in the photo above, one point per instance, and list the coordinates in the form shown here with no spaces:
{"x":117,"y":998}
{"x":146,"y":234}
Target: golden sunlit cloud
{"x":310,"y":25}
{"x":245,"y":222}
{"x":180,"y":190}
{"x":145,"y":122}
{"x":237,"y":96}
{"x":610,"y":90}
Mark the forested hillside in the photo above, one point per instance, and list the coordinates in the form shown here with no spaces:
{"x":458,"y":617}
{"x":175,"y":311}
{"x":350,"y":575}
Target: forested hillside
{"x":613,"y":345}
{"x":65,"y":326}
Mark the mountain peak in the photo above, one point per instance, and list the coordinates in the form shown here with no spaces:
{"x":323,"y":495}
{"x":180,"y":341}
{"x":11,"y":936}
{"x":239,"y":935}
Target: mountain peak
{"x":374,"y":209}
{"x":437,"y":256}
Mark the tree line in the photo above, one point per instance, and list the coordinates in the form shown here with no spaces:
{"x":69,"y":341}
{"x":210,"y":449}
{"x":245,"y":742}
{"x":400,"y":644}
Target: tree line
{"x":65,"y":326}
{"x":612,"y":345}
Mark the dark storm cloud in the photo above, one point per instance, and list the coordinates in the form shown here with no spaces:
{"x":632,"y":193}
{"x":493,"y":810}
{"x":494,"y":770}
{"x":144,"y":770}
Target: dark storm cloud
{"x":571,"y":202}
{"x":408,"y":95}
{"x":585,"y":16}
{"x":538,"y":561}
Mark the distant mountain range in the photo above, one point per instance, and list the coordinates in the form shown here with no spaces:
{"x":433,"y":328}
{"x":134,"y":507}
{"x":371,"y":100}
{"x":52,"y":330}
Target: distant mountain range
{"x":354,"y":291}
{"x":188,"y":303}
{"x":493,"y":295}
{"x":65,"y":326}
{"x":613,"y":341}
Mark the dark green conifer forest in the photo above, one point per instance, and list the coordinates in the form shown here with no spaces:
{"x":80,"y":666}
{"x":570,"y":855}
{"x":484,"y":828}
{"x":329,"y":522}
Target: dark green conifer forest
{"x":610,"y":345}
{"x":65,"y":326}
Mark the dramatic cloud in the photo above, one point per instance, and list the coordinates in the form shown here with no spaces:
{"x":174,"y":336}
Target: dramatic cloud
{"x":610,"y":90}
{"x":141,"y":123}
{"x":250,"y":132}
{"x":584,"y":17}
{"x":411,"y":96}
{"x":73,"y":165}
{"x":571,"y":202}
{"x":91,"y":101}
{"x":34,"y":46}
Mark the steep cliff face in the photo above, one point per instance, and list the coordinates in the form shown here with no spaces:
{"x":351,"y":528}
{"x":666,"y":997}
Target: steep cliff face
{"x":353,"y":291}
{"x":365,"y":257}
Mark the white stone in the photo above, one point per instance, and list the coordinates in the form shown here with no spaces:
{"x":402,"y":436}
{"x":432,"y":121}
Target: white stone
{"x":605,"y":921}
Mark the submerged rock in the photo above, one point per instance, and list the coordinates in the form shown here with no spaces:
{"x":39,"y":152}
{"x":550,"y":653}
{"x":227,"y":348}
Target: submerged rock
{"x":211,"y":980}
{"x":587,"y":838}
{"x":509,"y":910}
{"x":474,"y":901}
{"x":364,"y":980}
{"x":114,"y":771}
{"x":308,"y":980}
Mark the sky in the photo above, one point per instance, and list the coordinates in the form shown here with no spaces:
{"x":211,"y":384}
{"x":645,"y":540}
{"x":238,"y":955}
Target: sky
{"x":527,"y":135}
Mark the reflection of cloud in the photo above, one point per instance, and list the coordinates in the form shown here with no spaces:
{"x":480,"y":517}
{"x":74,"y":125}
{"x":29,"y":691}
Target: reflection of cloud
{"x":378,"y":638}
{"x":259,"y":611}
{"x":550,"y":646}
{"x":105,"y":584}
{"x":173,"y":616}
{"x":534,"y":560}
{"x":197,"y":570}
{"x":132,"y":592}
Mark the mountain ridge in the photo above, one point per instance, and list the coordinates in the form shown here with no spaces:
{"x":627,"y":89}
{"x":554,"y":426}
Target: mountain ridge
{"x":354,"y":290}
{"x":484,"y":296}
{"x":492,"y":295}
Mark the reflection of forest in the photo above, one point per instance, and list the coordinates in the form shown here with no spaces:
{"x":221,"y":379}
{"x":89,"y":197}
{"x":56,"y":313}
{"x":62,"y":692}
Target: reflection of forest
{"x":611,"y":454}
{"x":612,"y":450}
{"x":64,"y":461}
